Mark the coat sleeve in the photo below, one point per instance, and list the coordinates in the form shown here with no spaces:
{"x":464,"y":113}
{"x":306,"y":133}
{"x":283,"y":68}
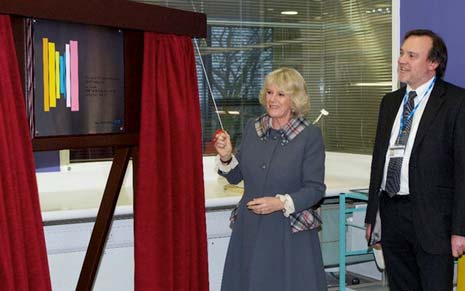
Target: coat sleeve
{"x":458,"y":212}
{"x":377,"y":167}
{"x":313,"y":172}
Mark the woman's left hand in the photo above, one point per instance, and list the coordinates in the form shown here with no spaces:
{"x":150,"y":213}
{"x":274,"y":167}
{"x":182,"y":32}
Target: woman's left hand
{"x":265,"y":205}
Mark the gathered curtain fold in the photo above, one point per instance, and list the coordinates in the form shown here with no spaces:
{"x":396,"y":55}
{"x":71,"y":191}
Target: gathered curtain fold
{"x":170,"y":228}
{"x":23,"y":259}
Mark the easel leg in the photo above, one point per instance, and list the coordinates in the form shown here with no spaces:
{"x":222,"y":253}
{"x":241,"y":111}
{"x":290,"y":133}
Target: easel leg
{"x":104,"y":219}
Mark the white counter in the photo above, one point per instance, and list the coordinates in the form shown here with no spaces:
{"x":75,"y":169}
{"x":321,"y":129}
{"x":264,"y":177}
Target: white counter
{"x":343,"y":172}
{"x":76,"y":191}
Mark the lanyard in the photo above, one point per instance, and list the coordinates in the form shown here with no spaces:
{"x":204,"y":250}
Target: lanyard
{"x":403,"y":123}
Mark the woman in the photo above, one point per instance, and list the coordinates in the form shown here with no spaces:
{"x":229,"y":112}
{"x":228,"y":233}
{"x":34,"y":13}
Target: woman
{"x":281,"y":160}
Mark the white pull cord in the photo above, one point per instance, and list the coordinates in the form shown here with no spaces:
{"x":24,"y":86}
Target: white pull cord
{"x":208,"y":83}
{"x":205,"y":74}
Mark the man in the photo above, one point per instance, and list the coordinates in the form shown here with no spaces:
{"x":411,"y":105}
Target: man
{"x":416,"y":205}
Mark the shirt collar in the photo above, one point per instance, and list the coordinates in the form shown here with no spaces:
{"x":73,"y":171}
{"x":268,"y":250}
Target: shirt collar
{"x":421,"y":89}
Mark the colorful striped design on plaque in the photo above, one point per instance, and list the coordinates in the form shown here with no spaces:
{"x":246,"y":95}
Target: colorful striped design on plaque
{"x":60,"y":74}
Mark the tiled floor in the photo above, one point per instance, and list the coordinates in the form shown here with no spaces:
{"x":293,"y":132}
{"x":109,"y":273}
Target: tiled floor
{"x":364,"y":284}
{"x":375,"y":286}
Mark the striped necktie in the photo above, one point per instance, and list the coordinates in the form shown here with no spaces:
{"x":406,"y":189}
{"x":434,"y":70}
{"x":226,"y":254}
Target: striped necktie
{"x":395,"y":163}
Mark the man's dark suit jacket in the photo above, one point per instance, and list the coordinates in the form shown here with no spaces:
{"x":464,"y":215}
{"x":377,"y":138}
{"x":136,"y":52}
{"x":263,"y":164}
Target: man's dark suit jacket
{"x":436,"y":167}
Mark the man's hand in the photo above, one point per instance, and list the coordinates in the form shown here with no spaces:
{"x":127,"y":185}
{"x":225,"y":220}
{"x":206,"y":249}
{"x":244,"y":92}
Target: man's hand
{"x":457,"y":243}
{"x":367,"y":231}
{"x":367,"y":236}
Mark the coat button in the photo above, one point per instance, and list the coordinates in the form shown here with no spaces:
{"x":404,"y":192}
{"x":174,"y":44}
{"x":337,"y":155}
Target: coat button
{"x":264,"y":166}
{"x":275,"y":137}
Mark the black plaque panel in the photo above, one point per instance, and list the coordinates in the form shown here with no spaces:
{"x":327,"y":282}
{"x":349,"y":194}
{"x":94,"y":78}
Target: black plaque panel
{"x":100,"y":75}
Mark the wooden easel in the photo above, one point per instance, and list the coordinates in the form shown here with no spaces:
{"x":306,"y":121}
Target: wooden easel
{"x":133,"y":18}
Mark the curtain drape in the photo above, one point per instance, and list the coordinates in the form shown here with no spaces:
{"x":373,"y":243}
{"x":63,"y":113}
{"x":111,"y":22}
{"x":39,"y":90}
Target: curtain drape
{"x":170,"y":231}
{"x":23,"y":259}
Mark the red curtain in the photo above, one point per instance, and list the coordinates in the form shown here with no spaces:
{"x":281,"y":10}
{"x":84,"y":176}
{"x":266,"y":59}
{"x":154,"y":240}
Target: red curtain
{"x":170,"y":231}
{"x":23,"y":259}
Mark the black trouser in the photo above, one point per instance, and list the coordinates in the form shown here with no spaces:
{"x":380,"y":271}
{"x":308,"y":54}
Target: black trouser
{"x":408,"y":266}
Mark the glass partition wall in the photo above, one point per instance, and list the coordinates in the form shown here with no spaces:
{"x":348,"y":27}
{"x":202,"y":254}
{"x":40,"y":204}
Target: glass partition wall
{"x":342,"y":48}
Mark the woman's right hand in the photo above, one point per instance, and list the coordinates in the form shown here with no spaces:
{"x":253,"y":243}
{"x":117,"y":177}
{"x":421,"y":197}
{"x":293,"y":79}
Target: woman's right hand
{"x":223,"y":145}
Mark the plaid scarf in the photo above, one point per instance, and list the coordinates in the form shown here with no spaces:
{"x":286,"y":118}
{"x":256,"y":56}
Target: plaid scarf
{"x":288,"y":132}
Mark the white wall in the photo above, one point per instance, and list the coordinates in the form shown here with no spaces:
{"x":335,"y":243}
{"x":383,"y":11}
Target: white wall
{"x":67,"y":244}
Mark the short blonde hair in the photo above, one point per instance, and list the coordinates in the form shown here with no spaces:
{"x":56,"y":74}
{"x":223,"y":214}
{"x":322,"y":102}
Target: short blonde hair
{"x":292,"y":83}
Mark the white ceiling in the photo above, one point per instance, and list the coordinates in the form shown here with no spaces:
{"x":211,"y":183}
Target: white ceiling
{"x":264,"y":10}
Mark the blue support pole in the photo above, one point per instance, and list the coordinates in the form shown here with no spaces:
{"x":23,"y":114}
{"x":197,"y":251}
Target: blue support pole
{"x":342,"y":242}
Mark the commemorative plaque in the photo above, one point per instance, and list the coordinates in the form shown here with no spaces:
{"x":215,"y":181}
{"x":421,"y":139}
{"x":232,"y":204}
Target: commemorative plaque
{"x":78,"y":79}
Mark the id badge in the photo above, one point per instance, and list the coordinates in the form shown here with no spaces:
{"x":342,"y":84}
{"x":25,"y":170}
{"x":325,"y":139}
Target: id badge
{"x":397,"y":151}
